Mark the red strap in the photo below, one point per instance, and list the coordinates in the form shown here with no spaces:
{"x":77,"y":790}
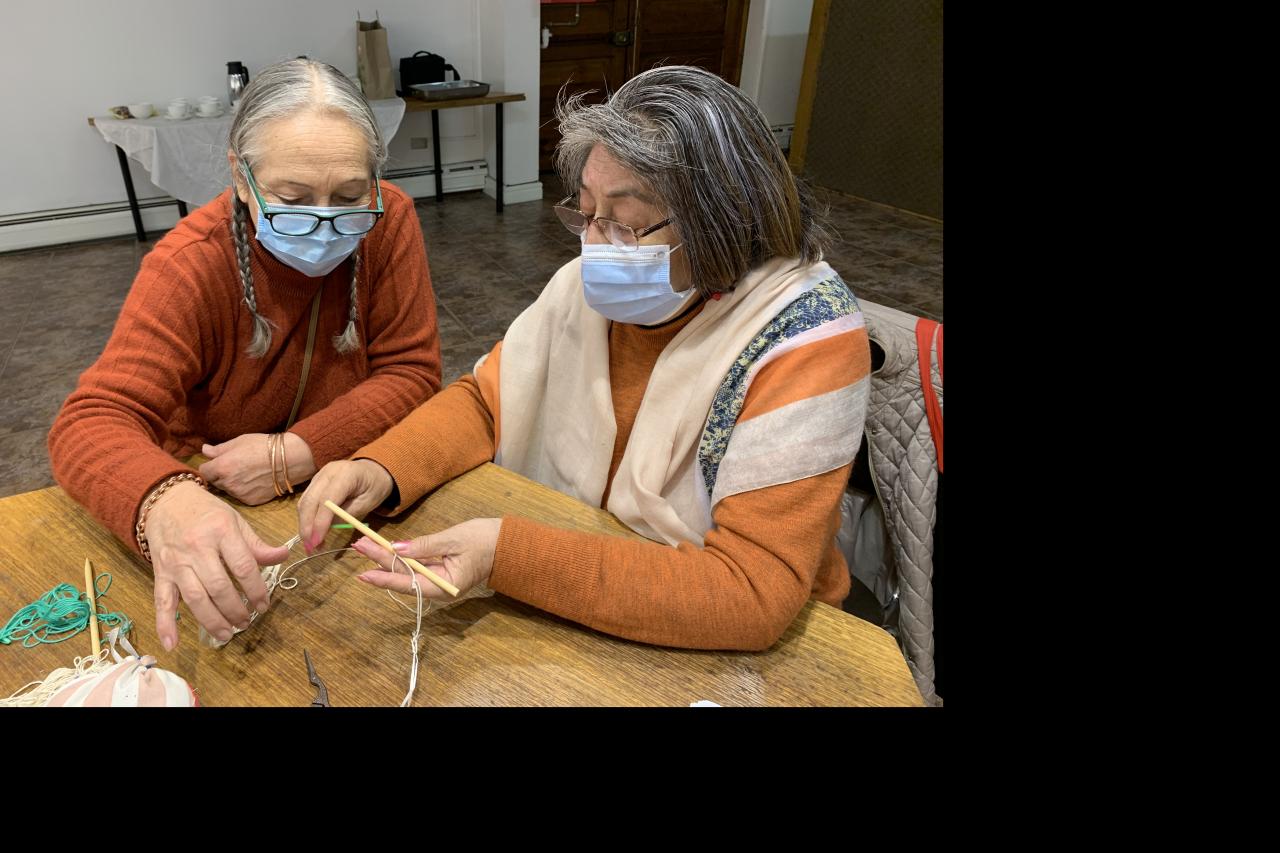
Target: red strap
{"x":939,"y":350}
{"x":925,"y":330}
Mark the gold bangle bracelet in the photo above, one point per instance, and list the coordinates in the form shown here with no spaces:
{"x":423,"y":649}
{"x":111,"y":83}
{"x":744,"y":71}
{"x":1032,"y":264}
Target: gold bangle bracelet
{"x":273,"y":441}
{"x":271,"y":460}
{"x":284,"y":464}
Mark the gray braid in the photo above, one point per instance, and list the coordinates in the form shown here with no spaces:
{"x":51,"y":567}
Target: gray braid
{"x":261,"y":326}
{"x":349,"y":340}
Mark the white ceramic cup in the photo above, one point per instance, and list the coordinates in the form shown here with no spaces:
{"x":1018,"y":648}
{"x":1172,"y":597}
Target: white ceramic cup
{"x":142,"y":110}
{"x":179,"y":108}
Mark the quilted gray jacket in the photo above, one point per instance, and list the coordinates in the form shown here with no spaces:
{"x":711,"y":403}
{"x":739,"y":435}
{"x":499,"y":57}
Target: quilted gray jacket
{"x":904,"y":470}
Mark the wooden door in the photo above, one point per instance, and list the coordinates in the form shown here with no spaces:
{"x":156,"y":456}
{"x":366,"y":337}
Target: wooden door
{"x":705,"y":33}
{"x":585,"y":56}
{"x":613,"y":40}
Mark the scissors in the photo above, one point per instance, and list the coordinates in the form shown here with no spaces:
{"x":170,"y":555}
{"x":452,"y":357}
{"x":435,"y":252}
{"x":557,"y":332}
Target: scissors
{"x":322,"y":694}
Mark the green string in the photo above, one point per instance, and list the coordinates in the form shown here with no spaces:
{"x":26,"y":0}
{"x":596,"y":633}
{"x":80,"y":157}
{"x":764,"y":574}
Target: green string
{"x":59,"y":615}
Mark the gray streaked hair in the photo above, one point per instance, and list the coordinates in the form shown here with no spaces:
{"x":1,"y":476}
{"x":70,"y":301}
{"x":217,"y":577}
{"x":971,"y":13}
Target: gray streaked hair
{"x":706,"y":152}
{"x":279,"y":91}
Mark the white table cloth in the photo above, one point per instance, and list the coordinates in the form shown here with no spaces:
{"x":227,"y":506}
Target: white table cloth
{"x":188,"y":158}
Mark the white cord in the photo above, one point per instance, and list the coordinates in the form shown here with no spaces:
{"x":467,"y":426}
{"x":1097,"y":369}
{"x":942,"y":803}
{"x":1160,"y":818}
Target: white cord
{"x":417,"y":628}
{"x":277,"y":576}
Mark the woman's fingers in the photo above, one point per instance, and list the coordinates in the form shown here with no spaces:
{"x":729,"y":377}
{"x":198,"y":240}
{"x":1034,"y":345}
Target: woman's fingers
{"x":202,"y":605}
{"x":166,"y":597}
{"x":345,"y":483}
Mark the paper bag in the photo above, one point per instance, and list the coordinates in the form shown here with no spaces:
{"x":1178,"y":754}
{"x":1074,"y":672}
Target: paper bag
{"x":373,"y":60}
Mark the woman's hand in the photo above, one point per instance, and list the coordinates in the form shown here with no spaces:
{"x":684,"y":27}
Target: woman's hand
{"x":198,"y":544}
{"x":241,"y":467}
{"x":462,"y":555}
{"x":355,"y":485}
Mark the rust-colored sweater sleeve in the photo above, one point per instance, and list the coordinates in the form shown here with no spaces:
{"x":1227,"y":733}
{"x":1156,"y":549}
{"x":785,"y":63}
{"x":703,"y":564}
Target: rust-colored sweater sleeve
{"x":105,"y":447}
{"x":741,"y":590}
{"x":403,"y":351}
{"x":175,"y":361}
{"x":443,"y":438}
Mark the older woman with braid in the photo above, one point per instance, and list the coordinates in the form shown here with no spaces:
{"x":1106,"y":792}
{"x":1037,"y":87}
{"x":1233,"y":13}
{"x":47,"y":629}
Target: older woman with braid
{"x":283,"y":325}
{"x":699,"y":371}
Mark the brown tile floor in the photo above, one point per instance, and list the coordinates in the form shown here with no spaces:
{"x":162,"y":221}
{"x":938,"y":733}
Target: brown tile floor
{"x":58,"y":305}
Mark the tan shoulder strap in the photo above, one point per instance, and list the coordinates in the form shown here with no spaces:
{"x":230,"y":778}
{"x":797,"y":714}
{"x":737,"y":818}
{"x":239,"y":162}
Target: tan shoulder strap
{"x":306,"y":358}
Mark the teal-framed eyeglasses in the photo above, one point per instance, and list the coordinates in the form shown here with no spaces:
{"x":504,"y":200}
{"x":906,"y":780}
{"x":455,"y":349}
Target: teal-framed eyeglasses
{"x":299,"y":222}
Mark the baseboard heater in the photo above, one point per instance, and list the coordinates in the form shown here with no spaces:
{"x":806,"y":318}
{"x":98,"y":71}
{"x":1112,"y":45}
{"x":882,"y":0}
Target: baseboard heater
{"x":164,"y":200}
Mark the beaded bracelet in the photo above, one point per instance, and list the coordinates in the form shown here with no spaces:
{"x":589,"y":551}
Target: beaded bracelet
{"x":140,"y":530}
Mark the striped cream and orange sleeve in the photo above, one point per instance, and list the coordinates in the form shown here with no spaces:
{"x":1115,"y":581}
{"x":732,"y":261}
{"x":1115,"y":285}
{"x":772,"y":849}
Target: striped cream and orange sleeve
{"x":812,"y":370}
{"x":768,"y":552}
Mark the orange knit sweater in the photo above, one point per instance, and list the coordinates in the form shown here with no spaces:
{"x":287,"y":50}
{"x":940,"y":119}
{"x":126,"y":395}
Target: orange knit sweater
{"x":175,"y":375}
{"x":769,"y":551}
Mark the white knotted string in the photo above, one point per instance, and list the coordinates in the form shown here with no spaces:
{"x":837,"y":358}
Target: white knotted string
{"x":38,"y":693}
{"x":277,"y":576}
{"x":417,"y":628}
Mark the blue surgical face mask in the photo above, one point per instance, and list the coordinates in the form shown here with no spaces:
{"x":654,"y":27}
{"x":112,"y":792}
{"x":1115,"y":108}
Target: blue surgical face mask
{"x":317,"y":254}
{"x":632,"y":287}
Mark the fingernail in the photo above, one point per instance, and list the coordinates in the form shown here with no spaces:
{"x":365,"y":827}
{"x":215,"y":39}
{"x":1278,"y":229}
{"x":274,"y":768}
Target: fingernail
{"x":401,"y":547}
{"x":243,"y":625}
{"x":168,"y":643}
{"x":362,"y":578}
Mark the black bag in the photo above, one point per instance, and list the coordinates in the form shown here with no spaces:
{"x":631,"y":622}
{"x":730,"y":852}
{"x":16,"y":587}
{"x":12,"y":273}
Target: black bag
{"x":423,"y":67}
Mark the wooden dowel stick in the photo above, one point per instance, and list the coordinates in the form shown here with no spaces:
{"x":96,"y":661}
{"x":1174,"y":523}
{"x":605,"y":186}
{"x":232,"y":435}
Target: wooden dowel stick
{"x":409,"y":561}
{"x":92,"y":592}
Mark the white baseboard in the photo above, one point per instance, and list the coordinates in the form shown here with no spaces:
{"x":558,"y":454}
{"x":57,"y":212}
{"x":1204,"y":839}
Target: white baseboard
{"x":513,"y":193}
{"x":30,"y":235}
{"x":458,"y":177}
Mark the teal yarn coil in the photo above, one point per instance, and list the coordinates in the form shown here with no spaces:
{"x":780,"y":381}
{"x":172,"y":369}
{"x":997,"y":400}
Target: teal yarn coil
{"x":59,"y":615}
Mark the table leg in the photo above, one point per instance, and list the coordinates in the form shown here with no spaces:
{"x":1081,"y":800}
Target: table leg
{"x":435,"y":151}
{"x":498,"y":107}
{"x":133,"y":197}
{"x":182,"y":208}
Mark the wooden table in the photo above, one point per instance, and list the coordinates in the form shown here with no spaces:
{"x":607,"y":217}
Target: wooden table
{"x":417,"y":105}
{"x":482,"y":651}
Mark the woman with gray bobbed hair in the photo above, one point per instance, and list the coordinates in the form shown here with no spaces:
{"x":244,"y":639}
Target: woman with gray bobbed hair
{"x":281,"y":326}
{"x":699,"y":371}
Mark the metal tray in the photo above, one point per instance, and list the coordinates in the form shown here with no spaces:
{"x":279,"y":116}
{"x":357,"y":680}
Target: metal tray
{"x":450,"y":89}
